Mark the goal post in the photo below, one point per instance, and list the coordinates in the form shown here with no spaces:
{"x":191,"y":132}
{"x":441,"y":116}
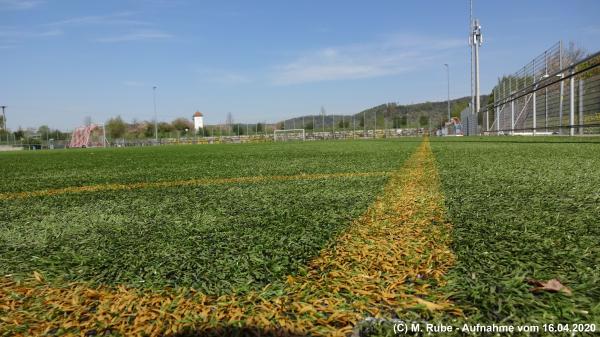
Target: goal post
{"x":93,"y":135}
{"x":291,"y":134}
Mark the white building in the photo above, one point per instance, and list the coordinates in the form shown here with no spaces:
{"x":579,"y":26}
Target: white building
{"x":198,"y":121}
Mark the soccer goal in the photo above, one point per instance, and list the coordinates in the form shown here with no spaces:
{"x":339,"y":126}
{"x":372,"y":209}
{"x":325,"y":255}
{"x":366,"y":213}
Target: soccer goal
{"x":291,"y":134}
{"x":93,"y":135}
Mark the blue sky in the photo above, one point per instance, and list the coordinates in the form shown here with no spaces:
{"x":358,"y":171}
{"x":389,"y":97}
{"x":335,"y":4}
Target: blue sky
{"x":63,"y":60}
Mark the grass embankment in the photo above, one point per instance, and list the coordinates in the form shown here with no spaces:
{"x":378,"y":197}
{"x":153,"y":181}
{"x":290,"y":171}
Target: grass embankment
{"x":389,"y":263}
{"x":524,"y":209}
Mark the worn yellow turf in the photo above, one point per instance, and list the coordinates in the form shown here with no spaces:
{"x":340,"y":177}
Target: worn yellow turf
{"x":391,"y":261}
{"x":181,"y":183}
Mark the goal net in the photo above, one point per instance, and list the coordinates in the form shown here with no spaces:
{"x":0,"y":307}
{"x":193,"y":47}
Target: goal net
{"x":285,"y":135}
{"x":92,"y":135}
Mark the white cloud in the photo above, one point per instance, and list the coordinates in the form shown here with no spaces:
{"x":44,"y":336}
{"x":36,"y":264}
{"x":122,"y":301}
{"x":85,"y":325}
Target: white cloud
{"x":11,"y":37}
{"x":19,"y":4}
{"x":136,"y":36}
{"x":390,"y":56}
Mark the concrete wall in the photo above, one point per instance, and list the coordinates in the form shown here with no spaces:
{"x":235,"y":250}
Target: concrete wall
{"x":9,"y":148}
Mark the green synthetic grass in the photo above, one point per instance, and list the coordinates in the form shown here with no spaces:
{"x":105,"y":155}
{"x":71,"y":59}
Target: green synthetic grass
{"x":523,"y":208}
{"x":34,"y":170}
{"x":564,"y":139}
{"x":215,"y":238}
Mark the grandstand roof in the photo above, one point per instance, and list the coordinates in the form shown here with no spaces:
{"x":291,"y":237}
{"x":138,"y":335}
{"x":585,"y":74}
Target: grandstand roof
{"x":198,"y":114}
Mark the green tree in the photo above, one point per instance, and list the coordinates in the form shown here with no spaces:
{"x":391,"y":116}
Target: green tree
{"x":423,"y":120}
{"x":116,"y":127}
{"x":344,"y":123}
{"x":136,"y":130}
{"x":165,"y":128}
{"x":238,"y":129}
{"x":149,"y":130}
{"x":180,"y":124}
{"x":403,"y":121}
{"x":390,"y":110}
{"x":44,"y":132}
{"x":457,"y":108}
{"x":19,"y":134}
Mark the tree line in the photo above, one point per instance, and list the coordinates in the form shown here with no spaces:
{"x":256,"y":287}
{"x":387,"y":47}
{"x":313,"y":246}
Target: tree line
{"x":117,"y":128}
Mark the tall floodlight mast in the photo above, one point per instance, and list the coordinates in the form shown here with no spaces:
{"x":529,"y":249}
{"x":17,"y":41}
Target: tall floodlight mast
{"x":475,"y":41}
{"x":4,"y":121}
{"x":448,"y":78}
{"x":4,"y":125}
{"x":155,"y":116}
{"x":323,"y":116}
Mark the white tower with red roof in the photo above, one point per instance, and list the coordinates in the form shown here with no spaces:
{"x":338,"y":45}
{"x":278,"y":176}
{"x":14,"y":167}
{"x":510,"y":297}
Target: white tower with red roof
{"x":198,"y":121}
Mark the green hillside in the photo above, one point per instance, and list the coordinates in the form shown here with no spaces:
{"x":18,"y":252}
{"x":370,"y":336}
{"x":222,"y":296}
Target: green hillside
{"x":389,"y":115}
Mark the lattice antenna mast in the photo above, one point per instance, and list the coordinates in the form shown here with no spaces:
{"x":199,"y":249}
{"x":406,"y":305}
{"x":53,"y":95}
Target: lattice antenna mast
{"x":471,"y":55}
{"x":475,"y":41}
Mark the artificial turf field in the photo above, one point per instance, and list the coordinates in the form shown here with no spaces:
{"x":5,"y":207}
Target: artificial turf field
{"x":299,"y":238}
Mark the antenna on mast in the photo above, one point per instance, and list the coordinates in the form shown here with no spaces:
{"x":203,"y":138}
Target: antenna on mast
{"x":471,"y":55}
{"x":470,"y":16}
{"x":475,"y":40}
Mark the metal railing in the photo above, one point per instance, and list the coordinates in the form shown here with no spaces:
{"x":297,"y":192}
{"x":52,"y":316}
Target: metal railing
{"x":547,"y":96}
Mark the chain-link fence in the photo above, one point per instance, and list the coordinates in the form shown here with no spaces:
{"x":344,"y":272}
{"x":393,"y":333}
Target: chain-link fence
{"x":557,"y":93}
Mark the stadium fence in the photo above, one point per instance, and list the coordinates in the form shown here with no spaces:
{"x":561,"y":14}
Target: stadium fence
{"x":554,"y":94}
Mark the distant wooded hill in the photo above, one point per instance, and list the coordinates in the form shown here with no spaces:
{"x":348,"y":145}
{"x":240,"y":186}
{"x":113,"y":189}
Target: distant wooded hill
{"x":390,"y":115}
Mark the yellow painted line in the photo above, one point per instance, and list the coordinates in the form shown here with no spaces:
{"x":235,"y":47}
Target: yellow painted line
{"x":391,"y":260}
{"x":183,"y":183}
